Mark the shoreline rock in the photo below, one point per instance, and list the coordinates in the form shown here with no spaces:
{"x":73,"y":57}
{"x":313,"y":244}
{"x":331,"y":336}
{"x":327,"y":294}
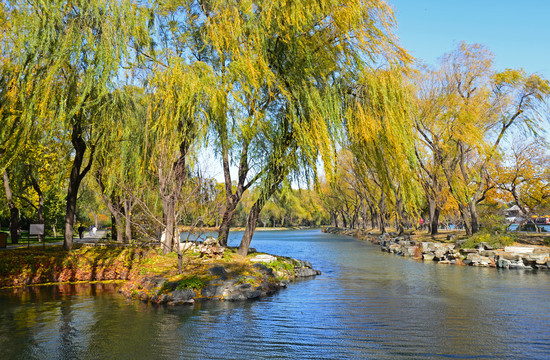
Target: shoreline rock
{"x":484,"y":255}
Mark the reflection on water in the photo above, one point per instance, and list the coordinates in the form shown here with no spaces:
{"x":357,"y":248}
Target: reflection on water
{"x":367,"y":304}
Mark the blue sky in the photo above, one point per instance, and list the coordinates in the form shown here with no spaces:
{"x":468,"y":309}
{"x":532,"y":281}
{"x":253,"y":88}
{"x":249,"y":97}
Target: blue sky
{"x":517,"y":32}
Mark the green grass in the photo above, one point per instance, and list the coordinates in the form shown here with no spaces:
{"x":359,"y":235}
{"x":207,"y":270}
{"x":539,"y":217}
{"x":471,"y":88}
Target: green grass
{"x":190,"y":282}
{"x":280,"y":265}
{"x":26,"y":239}
{"x":495,"y":240}
{"x":34,"y":240}
{"x":193,"y":282}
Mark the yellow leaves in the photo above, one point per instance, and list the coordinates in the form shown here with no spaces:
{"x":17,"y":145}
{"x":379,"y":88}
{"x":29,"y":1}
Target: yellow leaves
{"x":380,"y":132}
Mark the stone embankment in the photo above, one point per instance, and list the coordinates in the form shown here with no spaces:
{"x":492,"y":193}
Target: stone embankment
{"x":484,"y":255}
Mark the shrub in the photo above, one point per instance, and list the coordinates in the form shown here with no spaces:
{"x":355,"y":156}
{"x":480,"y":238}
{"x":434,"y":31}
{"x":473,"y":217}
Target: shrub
{"x":492,"y":223}
{"x":496,"y":240}
{"x":280,"y":265}
{"x":193,"y":282}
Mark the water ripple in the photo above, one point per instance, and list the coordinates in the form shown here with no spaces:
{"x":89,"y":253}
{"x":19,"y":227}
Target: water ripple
{"x":367,"y":304}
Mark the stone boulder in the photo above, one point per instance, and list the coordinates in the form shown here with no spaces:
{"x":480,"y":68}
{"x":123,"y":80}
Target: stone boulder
{"x":474,"y":258}
{"x":210,"y":241}
{"x":458,"y":243}
{"x":484,"y":261}
{"x":241,"y":292}
{"x":522,"y":250}
{"x":218,"y":271}
{"x":185,"y":246}
{"x":440,"y":254}
{"x":395,"y":248}
{"x":185,"y":296}
{"x":503,"y":263}
{"x":428,"y":256}
{"x":427,"y":247}
{"x":304,"y":269}
{"x":536,"y":259}
{"x":409,"y":250}
{"x":263,"y":258}
{"x":518,"y":265}
{"x":484,"y":246}
{"x":303,"y":263}
{"x":263,"y":269}
{"x":306,"y":272}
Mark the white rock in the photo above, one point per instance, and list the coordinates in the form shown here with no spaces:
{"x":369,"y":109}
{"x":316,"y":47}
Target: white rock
{"x":263,"y":258}
{"x":519,"y":249}
{"x":184,"y":246}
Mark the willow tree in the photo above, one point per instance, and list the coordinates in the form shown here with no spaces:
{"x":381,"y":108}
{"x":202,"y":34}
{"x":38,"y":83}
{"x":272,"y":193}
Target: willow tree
{"x":77,"y":49}
{"x":381,"y":139}
{"x":522,"y":177}
{"x":16,"y":71}
{"x":274,"y":107}
{"x":472,"y":109}
{"x":117,"y":170}
{"x":174,"y":128}
{"x":12,"y":83}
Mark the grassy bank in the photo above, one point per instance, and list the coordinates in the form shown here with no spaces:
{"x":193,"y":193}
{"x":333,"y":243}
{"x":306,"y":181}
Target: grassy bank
{"x":146,"y":272}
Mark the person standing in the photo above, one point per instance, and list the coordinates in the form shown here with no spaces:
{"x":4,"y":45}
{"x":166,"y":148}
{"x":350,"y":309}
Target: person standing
{"x":81,"y":231}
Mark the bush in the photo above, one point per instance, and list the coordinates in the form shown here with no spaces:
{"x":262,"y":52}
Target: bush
{"x":193,"y":282}
{"x":280,"y":265}
{"x":492,"y":223}
{"x":496,"y":240}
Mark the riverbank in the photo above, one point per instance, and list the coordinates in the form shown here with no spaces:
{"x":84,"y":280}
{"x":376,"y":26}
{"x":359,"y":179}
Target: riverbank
{"x":457,"y":251}
{"x":148,"y":275}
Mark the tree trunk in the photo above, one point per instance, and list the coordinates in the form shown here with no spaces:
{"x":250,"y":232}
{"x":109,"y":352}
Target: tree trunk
{"x":466,"y":221}
{"x":118,"y":227}
{"x":474,"y":217}
{"x":400,"y":216}
{"x":128,"y":207}
{"x":251,"y":222}
{"x":434,"y":216}
{"x":434,"y":221}
{"x":14,"y":211}
{"x":382,"y":222}
{"x":169,"y":209}
{"x":382,"y":213}
{"x":223,"y":231}
{"x":114,"y":206}
{"x":40,"y":208}
{"x":114,"y":226}
{"x":233,"y":199}
{"x":344,"y":220}
{"x":279,"y":174}
{"x":75,"y":179}
{"x":333,"y":219}
{"x":372,"y":217}
{"x":70,"y":210}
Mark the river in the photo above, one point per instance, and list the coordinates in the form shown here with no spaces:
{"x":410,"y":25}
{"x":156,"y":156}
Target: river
{"x":366,"y":304}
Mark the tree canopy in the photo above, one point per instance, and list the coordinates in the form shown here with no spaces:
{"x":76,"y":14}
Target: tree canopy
{"x":115,"y":101}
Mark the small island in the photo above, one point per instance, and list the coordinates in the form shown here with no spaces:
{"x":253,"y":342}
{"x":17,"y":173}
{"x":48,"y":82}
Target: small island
{"x":203,"y":272}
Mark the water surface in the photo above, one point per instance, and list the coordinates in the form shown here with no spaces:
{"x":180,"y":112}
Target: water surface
{"x":366,"y":304}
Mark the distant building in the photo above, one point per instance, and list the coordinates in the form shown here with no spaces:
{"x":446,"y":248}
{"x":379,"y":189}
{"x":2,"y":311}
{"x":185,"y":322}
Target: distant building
{"x":514,"y":214}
